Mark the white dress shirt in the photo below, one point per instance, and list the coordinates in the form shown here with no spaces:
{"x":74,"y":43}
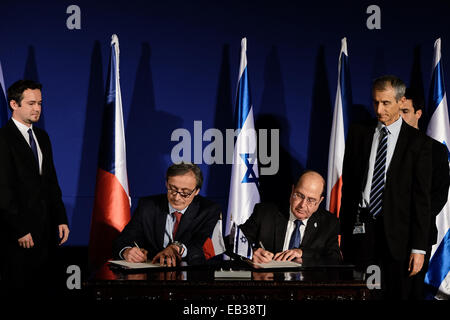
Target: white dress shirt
{"x":24,"y":131}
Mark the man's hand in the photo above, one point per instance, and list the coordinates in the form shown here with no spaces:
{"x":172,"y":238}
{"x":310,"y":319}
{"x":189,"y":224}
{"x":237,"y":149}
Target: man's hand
{"x":288,"y":255}
{"x":261,"y":256}
{"x":63,"y":233}
{"x":135,"y":255}
{"x":168,"y":257}
{"x":415,"y":263}
{"x":26,"y":241}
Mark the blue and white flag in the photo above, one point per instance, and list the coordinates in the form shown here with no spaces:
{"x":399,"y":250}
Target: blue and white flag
{"x":438,"y":275}
{"x":3,"y":100}
{"x":244,"y":193}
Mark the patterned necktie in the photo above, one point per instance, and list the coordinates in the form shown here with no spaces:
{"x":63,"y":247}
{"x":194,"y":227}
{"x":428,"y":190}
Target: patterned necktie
{"x":33,"y":144}
{"x":379,"y":172}
{"x":295,"y":237}
{"x":177,"y":216}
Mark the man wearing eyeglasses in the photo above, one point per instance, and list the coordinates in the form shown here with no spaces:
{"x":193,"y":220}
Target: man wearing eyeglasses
{"x":300,"y":230}
{"x":167,"y":228}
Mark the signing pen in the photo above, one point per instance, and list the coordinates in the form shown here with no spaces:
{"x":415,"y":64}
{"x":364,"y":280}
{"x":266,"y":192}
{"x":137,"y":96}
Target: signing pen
{"x":262,"y":246}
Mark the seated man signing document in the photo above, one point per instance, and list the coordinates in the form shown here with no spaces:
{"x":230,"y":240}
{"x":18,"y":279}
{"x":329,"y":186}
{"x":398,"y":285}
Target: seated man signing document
{"x":302,"y":230}
{"x":167,"y":228}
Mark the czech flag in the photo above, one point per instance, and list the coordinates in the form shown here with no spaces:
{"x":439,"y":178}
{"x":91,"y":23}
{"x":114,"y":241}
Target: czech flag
{"x":339,"y":132}
{"x":214,"y":245}
{"x":111,"y":211}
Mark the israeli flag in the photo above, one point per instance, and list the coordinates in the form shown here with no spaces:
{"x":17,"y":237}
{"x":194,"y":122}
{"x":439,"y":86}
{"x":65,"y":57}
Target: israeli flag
{"x":438,"y":274}
{"x":244,"y":193}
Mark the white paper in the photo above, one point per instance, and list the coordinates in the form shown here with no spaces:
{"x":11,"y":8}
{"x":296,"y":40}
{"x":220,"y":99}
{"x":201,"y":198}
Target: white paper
{"x":278,"y":264}
{"x":135,"y":265}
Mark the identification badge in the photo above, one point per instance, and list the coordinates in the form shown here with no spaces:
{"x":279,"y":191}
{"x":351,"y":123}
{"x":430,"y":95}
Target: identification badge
{"x":359,"y":228}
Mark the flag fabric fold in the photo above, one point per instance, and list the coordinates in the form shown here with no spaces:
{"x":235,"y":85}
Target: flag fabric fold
{"x":244,"y":192}
{"x":338,"y":132}
{"x":3,"y":100}
{"x":111,"y":210}
{"x":438,"y":274}
{"x":214,"y":245}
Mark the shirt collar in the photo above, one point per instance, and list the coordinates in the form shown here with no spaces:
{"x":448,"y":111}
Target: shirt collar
{"x":393,"y":128}
{"x":21,"y":126}
{"x":172,"y":210}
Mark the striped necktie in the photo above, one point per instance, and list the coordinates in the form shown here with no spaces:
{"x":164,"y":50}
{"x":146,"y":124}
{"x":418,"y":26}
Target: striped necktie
{"x":378,"y":178}
{"x":295,"y":237}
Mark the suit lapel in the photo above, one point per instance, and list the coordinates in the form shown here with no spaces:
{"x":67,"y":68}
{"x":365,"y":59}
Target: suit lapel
{"x":21,"y":146}
{"x":280,"y":232}
{"x":399,"y":150}
{"x":311,"y":229}
{"x":160,"y":223}
{"x":187,"y":218}
{"x":43,"y":146}
{"x":365,"y":150}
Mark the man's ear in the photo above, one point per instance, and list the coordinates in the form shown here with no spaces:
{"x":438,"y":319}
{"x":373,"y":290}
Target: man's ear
{"x":13,"y":104}
{"x":418,"y":114}
{"x":321,"y":198}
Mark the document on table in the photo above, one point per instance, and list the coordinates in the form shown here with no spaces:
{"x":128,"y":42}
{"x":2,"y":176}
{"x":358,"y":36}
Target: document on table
{"x":277,"y":264}
{"x":135,"y":265}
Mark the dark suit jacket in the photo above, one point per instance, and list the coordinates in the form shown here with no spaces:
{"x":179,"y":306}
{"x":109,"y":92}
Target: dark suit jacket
{"x":29,"y":202}
{"x":147,"y":226}
{"x":268,"y":224}
{"x":440,"y":183}
{"x":406,"y":199}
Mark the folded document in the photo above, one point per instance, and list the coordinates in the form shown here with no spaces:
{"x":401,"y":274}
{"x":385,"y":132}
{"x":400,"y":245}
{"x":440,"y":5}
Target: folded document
{"x":135,"y":265}
{"x":277,"y":264}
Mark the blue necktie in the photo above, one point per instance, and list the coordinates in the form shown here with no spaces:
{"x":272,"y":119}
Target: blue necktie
{"x":295,"y":237}
{"x":33,"y":144}
{"x":378,"y":178}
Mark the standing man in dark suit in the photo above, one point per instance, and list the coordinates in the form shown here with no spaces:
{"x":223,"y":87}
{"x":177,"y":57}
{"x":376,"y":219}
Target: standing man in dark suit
{"x":385,"y":212}
{"x":31,"y":209}
{"x":411,"y":112}
{"x":170,"y":227}
{"x":302,"y":230}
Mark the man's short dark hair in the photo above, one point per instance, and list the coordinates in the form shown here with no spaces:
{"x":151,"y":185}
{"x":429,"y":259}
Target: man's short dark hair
{"x":381,"y":83}
{"x":179,"y":169}
{"x":15,"y":91}
{"x":417,"y":101}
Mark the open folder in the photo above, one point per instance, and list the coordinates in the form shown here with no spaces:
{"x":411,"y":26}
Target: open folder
{"x":269,"y":265}
{"x":134,"y":265}
{"x":277,"y":264}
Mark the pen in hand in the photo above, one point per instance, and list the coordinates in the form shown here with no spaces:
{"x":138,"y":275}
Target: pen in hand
{"x":266,"y":253}
{"x":138,"y":248}
{"x":261,"y":245}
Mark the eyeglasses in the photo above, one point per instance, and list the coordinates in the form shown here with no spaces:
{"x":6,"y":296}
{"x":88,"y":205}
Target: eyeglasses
{"x":185,"y":195}
{"x":309,"y":201}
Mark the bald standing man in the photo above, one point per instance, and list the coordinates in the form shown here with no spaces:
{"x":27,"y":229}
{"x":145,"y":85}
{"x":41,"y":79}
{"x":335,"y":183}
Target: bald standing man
{"x":298,"y":230}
